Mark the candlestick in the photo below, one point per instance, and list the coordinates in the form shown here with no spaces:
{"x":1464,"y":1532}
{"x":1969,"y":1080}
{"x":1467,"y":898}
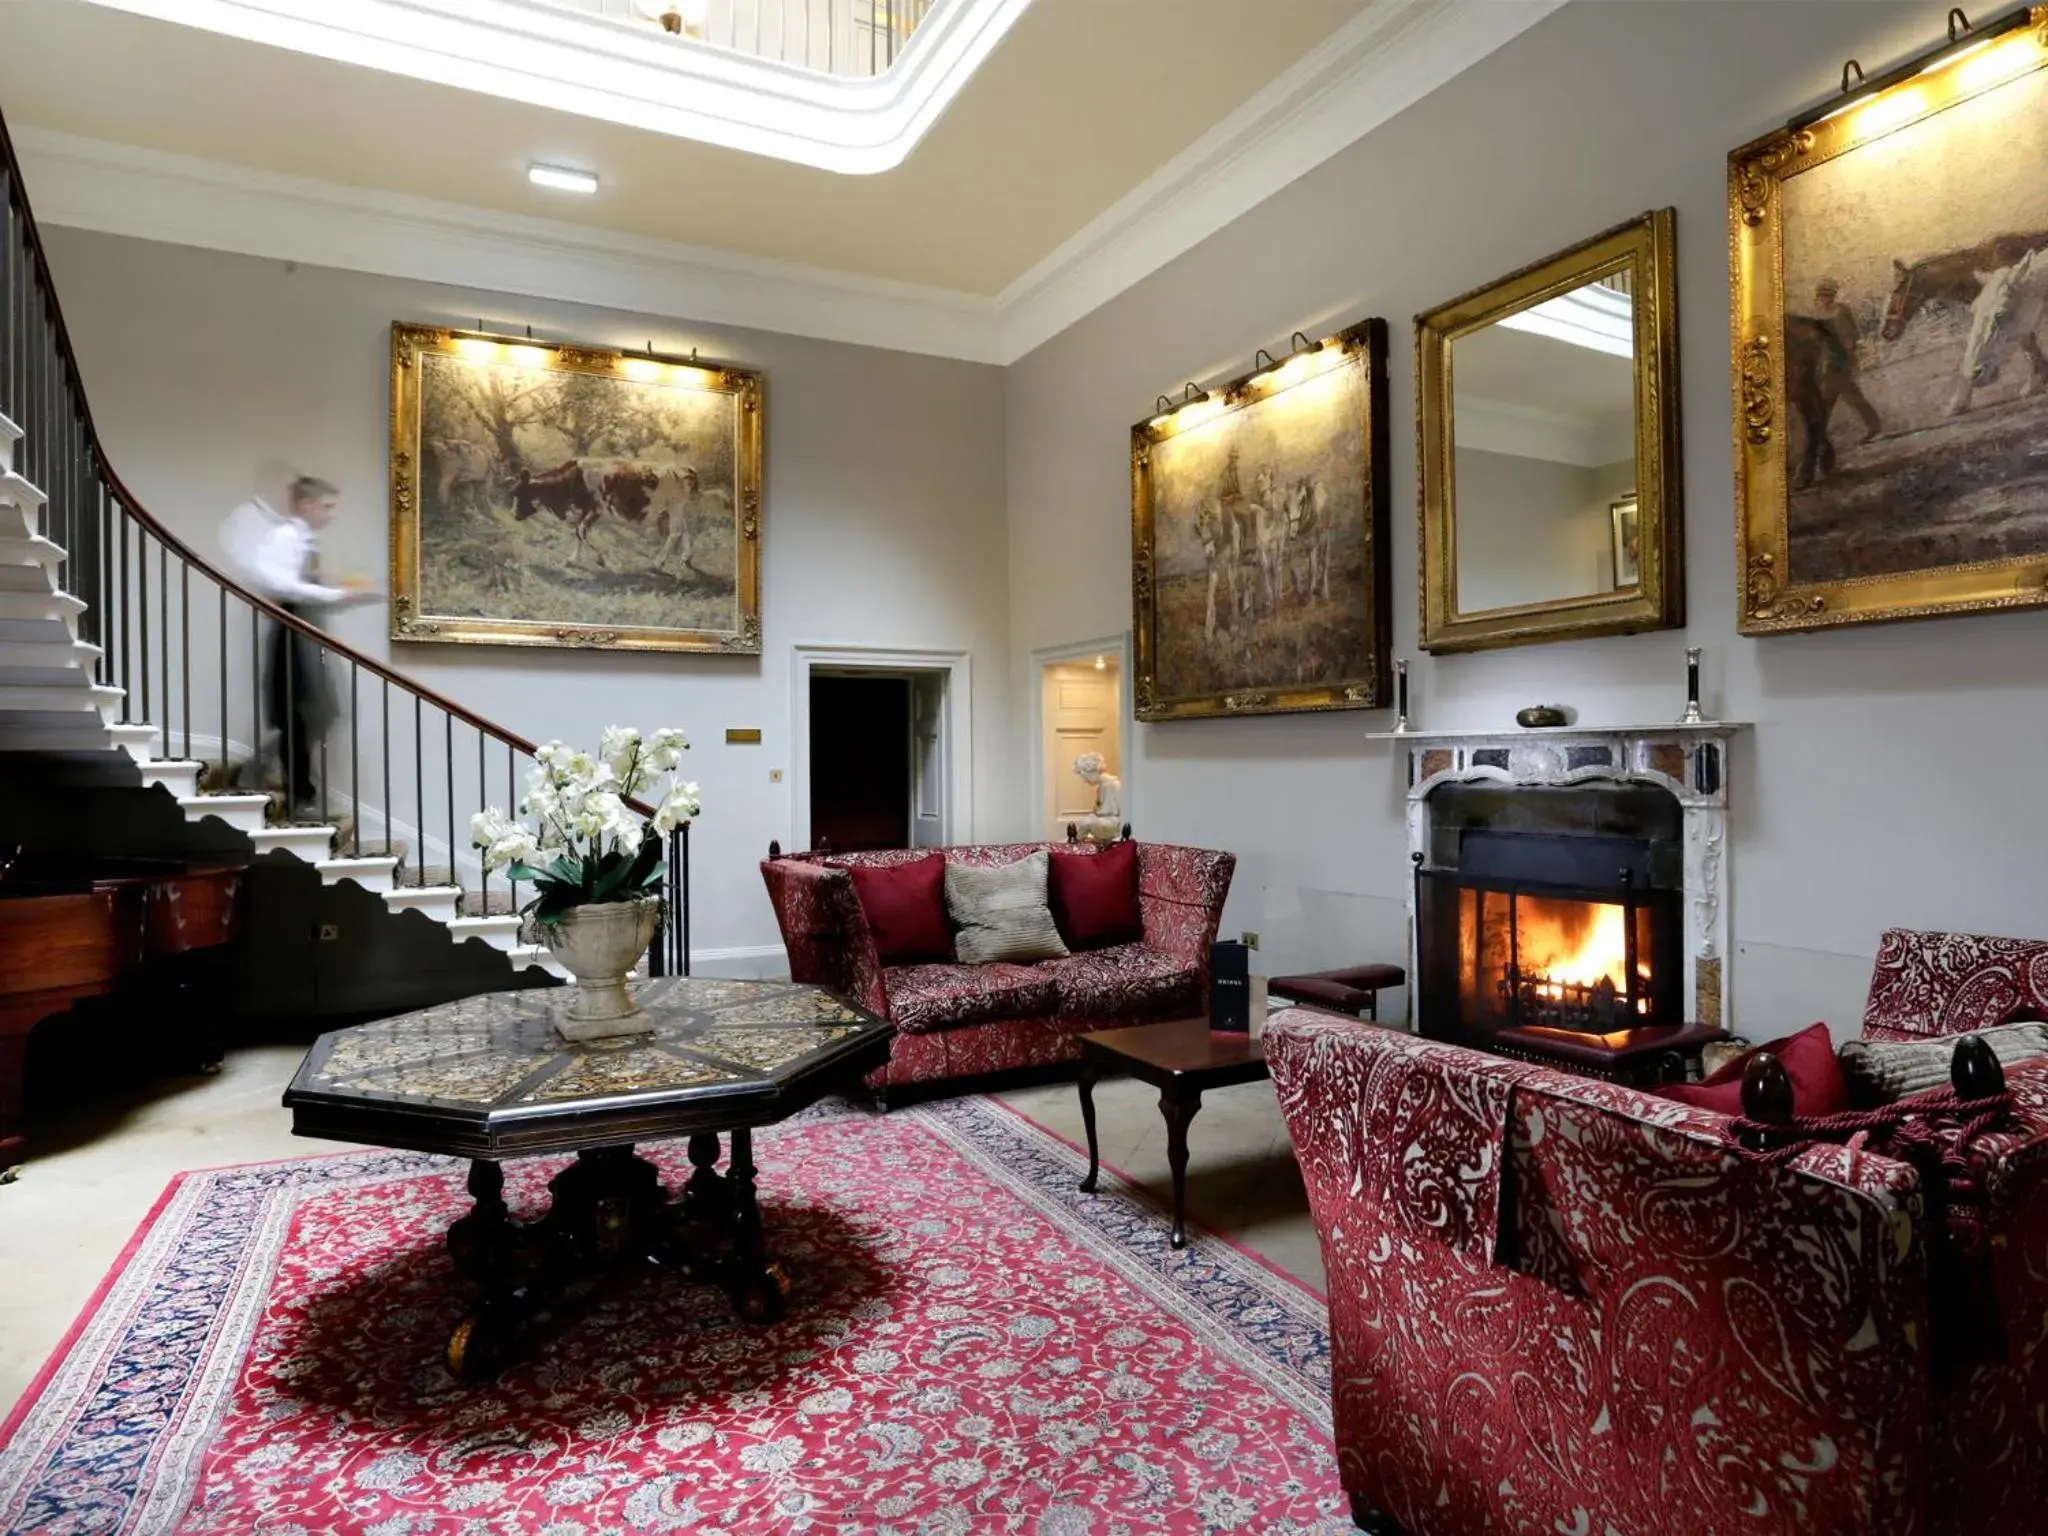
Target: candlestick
{"x":1401,"y":693}
{"x":1692,"y":715}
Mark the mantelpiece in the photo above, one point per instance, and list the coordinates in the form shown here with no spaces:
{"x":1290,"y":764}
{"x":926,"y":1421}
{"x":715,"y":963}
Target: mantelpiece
{"x":1688,"y":761}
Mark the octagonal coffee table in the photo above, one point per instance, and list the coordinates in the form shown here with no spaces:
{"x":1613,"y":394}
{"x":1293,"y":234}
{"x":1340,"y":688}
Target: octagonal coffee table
{"x":488,"y":1079}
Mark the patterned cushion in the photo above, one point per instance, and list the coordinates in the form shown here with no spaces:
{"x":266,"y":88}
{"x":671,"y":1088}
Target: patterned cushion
{"x":1130,"y":981}
{"x":928,"y":997}
{"x":1880,"y":1071}
{"x":1001,"y":912}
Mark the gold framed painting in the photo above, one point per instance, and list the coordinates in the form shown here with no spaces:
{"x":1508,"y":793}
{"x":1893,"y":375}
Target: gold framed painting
{"x":1259,"y":581}
{"x":551,"y":494}
{"x":1890,"y":271}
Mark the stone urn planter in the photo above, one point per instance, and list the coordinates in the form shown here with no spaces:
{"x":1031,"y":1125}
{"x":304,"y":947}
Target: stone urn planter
{"x":598,"y":944}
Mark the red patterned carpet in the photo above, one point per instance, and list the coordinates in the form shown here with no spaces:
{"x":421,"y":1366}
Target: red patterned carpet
{"x":972,"y":1346}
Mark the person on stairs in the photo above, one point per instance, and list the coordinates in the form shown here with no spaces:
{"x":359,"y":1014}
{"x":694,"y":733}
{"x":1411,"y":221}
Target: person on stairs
{"x":278,"y":555}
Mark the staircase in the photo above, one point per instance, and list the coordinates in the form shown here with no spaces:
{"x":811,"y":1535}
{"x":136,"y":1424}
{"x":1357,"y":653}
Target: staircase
{"x":117,"y":639}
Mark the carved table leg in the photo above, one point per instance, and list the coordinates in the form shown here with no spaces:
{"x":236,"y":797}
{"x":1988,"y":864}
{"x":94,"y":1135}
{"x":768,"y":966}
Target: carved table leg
{"x":758,"y":1289}
{"x":1179,"y":1111}
{"x":13,"y":1061}
{"x":1087,"y":1080}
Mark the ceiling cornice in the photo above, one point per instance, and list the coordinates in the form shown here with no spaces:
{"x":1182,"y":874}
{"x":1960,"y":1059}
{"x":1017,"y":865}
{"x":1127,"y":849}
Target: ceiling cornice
{"x":1381,"y":62}
{"x":1390,"y":56}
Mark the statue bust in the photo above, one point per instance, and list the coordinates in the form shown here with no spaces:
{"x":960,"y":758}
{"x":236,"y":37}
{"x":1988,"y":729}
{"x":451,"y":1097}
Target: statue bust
{"x":1106,"y":822}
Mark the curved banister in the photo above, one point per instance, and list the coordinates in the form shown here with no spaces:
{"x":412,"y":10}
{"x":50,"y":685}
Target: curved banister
{"x":103,"y":495}
{"x":177,"y":546}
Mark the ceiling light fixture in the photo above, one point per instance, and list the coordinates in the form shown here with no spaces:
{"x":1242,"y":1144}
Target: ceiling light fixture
{"x":677,"y":15}
{"x":562,"y":178}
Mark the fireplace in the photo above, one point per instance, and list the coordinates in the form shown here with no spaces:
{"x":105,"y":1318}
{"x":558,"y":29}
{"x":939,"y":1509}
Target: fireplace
{"x":1556,"y":931}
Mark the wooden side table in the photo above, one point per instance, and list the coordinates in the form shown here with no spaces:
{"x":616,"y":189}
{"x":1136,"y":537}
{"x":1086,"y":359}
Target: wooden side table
{"x":1182,"y":1060}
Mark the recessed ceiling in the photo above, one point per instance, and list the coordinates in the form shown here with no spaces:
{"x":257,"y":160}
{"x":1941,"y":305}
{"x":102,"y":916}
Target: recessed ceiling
{"x":577,"y":58}
{"x":1078,"y":104}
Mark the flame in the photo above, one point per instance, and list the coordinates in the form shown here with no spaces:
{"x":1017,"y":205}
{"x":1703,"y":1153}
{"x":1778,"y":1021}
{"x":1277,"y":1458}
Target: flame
{"x":1576,"y":944}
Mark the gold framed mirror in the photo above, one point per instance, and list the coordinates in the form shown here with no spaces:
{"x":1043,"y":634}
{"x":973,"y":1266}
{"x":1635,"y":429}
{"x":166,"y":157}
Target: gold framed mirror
{"x":1547,"y":424}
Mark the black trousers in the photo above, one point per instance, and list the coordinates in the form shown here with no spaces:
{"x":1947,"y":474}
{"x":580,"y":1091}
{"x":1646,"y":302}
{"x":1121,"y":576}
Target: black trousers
{"x":298,"y":703}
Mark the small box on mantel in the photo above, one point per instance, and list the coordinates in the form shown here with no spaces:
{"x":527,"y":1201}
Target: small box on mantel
{"x":743,"y":735}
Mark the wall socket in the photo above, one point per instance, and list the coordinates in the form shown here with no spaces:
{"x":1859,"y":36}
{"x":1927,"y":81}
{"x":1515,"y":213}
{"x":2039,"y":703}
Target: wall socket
{"x":1249,"y":939}
{"x":327,"y":933}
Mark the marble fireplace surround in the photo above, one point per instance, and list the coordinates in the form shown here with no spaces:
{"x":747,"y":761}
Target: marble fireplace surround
{"x":1687,"y":761}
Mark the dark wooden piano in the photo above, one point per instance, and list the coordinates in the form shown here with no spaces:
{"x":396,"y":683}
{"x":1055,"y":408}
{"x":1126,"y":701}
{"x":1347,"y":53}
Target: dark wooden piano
{"x":76,"y":929}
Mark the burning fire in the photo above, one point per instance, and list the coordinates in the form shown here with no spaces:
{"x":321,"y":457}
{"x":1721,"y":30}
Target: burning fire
{"x":1574,"y":944}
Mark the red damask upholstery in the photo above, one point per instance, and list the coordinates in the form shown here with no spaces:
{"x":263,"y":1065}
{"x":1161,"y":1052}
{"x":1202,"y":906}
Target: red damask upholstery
{"x":955,"y":1023}
{"x":923,"y":998}
{"x":1559,"y":1304}
{"x":1952,"y":983}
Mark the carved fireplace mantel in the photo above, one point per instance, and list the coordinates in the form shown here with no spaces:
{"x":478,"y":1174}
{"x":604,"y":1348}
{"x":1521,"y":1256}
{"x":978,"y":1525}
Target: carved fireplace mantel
{"x":1688,"y":761}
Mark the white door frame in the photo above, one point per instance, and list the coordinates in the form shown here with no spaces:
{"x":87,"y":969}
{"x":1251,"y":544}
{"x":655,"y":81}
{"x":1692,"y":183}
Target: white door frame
{"x":1118,"y":645}
{"x":956,"y":730}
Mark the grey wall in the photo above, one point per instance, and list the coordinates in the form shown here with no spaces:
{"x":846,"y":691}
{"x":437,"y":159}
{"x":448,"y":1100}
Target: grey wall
{"x":1529,"y":530}
{"x":883,"y":521}
{"x":1890,"y":777}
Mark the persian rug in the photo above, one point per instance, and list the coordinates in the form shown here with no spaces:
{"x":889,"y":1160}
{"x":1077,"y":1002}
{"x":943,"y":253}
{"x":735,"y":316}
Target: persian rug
{"x":972,"y":1345}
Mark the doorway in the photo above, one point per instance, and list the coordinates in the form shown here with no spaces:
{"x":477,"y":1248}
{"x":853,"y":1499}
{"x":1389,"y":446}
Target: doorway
{"x":1081,"y":711}
{"x":881,"y":756}
{"x":860,"y":762}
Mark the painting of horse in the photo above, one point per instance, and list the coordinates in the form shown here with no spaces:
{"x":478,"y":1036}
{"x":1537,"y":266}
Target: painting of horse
{"x":1259,"y":584}
{"x":1914,"y":276}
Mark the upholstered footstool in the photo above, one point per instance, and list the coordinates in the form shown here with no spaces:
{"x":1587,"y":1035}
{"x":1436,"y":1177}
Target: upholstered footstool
{"x":1355,"y":989}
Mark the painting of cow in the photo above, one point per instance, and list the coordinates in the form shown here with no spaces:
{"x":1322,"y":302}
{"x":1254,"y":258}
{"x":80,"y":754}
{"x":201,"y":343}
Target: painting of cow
{"x":556,"y":495}
{"x":1258,"y":515}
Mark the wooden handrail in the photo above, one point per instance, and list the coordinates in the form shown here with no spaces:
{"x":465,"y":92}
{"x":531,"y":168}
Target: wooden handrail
{"x":134,"y":508}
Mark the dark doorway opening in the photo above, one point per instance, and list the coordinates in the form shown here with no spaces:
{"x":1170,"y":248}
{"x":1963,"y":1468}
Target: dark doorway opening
{"x":860,"y":762}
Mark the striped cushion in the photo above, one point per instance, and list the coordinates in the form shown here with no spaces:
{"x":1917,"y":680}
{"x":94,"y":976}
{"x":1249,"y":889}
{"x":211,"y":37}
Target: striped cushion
{"x":1001,"y":912}
{"x":1880,"y":1071}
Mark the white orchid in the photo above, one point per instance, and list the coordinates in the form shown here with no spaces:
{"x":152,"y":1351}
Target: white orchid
{"x":587,"y":843}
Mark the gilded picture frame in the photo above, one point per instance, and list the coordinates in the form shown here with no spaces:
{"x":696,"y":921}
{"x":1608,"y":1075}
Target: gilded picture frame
{"x":1883,"y":271}
{"x":1644,"y":251}
{"x":1259,"y":579}
{"x":547,"y":493}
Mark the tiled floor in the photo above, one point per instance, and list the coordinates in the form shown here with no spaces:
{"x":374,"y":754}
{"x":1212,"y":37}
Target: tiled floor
{"x":101,"y":1159}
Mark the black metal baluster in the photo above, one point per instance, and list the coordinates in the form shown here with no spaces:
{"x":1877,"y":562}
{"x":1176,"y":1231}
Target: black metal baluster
{"x":390,"y":848}
{"x":142,"y":573}
{"x":448,"y":752}
{"x":355,"y":762}
{"x":483,"y":870}
{"x":512,"y":809}
{"x":185,"y":633}
{"x":126,"y":613}
{"x":255,"y":700}
{"x":320,"y":661}
{"x":163,"y":640}
{"x":683,"y":897}
{"x":419,"y":783}
{"x":288,"y":708}
{"x":222,"y":593}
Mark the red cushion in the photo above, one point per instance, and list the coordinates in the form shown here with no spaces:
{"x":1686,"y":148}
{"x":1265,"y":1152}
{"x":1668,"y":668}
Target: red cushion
{"x":1809,"y":1060}
{"x":905,"y":905}
{"x":1094,"y":896}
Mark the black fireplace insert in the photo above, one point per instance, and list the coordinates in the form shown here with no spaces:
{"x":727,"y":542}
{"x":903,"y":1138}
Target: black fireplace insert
{"x":1564,"y":931}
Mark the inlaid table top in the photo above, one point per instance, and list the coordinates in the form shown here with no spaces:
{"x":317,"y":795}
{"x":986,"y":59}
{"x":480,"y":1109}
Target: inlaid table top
{"x":488,"y":1076}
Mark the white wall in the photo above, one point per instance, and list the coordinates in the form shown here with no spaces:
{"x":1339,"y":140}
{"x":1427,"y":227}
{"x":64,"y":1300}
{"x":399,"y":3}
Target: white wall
{"x":1891,"y":777}
{"x":883,"y":504}
{"x":1529,"y":530}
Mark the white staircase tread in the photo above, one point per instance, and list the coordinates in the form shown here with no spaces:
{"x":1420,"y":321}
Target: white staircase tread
{"x":504,"y":922}
{"x":304,"y":842}
{"x":178,"y":776}
{"x":14,"y":488}
{"x":210,"y":803}
{"x":34,"y":549}
{"x":81,"y":696}
{"x":8,"y":429}
{"x":536,"y":954}
{"x":372,"y":873}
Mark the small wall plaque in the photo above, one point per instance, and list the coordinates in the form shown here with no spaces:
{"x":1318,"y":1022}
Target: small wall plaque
{"x":743,"y":736}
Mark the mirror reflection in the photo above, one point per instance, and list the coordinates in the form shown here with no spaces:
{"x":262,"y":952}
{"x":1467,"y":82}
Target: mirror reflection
{"x":1544,"y":431}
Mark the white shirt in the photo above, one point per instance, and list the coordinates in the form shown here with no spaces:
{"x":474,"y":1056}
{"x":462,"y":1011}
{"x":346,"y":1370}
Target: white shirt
{"x":271,"y":552}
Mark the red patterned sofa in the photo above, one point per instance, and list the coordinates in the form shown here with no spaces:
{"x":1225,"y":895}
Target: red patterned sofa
{"x":1558,"y":1304}
{"x":964,"y":1021}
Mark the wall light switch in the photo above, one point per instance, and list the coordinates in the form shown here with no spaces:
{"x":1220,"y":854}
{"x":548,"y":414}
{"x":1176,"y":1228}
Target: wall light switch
{"x":774,"y":775}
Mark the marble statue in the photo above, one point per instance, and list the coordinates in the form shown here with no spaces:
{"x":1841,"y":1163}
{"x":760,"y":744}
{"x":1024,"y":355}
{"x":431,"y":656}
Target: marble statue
{"x":1105,"y":823}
